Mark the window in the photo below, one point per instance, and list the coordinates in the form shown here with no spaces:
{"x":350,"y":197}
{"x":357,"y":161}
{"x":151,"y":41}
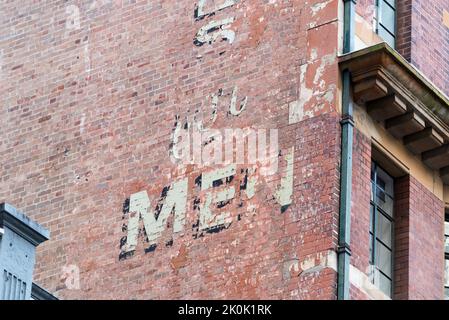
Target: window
{"x":446,"y":256}
{"x":381,"y":229}
{"x":386,"y":21}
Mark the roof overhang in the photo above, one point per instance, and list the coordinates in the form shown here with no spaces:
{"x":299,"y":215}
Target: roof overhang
{"x":407,"y":104}
{"x":15,"y":220}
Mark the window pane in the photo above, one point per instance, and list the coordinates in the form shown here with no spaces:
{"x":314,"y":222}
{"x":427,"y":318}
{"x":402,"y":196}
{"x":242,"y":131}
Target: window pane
{"x":384,"y":201}
{"x":446,"y":293}
{"x":446,"y":238}
{"x":388,"y":38}
{"x":385,"y":182}
{"x":384,"y":284}
{"x":391,"y":2}
{"x":371,"y":218}
{"x":388,"y":17}
{"x":383,"y":258}
{"x":383,"y":229}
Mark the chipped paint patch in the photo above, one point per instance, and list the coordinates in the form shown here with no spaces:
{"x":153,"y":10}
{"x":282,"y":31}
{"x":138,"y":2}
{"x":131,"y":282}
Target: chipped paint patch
{"x":174,"y":200}
{"x":251,"y":183}
{"x":317,"y":7}
{"x":87,"y":63}
{"x":215,"y":30}
{"x":326,"y":60}
{"x":313,"y":263}
{"x":217,"y":189}
{"x":316,"y":263}
{"x":284,"y":194}
{"x":73,"y":17}
{"x":311,"y":97}
{"x":290,"y":269}
{"x":296,"y":108}
{"x":233,"y":106}
{"x":207,"y":219}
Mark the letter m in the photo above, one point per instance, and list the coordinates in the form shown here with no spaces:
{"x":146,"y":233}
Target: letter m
{"x":140,"y":208}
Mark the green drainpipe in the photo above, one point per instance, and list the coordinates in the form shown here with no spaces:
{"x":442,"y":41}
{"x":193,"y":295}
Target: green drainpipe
{"x":347,"y":126}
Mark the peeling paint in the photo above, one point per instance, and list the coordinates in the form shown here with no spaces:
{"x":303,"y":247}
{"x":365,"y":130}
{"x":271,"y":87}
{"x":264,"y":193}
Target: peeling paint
{"x":212,"y":147}
{"x":251,"y":183}
{"x":214,"y":105}
{"x":316,"y":263}
{"x":73,"y":18}
{"x":313,"y":263}
{"x":87,"y":64}
{"x":180,"y":148}
{"x":215,"y":30}
{"x":207,"y":218}
{"x":200,"y":13}
{"x":290,"y":269}
{"x":140,"y":207}
{"x":268,"y":157}
{"x":296,"y":108}
{"x":319,"y":6}
{"x":284,"y":194}
{"x":233,"y":106}
{"x":326,"y":60}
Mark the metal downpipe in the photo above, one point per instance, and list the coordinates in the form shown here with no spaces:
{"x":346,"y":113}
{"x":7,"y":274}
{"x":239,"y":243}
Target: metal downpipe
{"x":347,"y":126}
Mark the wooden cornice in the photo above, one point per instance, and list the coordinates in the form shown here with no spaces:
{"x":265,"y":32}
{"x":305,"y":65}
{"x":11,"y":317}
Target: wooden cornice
{"x":409,"y":106}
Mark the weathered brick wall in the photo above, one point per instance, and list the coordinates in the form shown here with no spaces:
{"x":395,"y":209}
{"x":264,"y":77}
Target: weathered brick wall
{"x":91,"y":95}
{"x":426,"y":223}
{"x":404,"y":29}
{"x":360,"y":206}
{"x":402,"y":238}
{"x":419,"y":242}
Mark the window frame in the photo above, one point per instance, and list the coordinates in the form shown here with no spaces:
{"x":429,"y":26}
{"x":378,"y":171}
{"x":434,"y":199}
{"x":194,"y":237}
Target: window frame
{"x":373,"y":226}
{"x":378,"y":17}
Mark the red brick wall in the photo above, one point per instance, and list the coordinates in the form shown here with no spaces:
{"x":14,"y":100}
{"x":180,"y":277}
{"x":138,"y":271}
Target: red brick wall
{"x":404,"y":28}
{"x":426,"y":223}
{"x":430,"y":47}
{"x":402,"y":238}
{"x":419,"y":242}
{"x":361,"y":192}
{"x":88,"y":118}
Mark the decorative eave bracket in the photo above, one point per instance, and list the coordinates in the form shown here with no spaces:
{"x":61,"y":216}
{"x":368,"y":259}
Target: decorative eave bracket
{"x":408,"y":105}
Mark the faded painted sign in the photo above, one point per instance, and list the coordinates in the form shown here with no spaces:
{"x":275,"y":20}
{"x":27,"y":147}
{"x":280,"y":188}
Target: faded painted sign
{"x":215,"y":29}
{"x":216,"y":193}
{"x":230,"y":182}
